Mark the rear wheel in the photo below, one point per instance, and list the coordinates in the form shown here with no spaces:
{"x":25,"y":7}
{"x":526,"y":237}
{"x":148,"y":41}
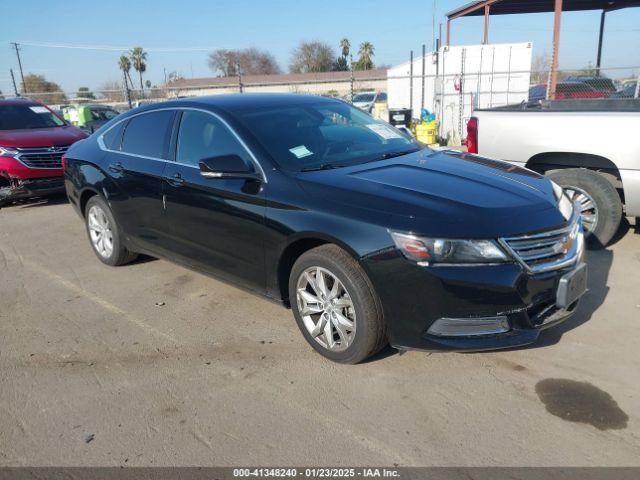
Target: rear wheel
{"x":104,"y":233}
{"x":599,"y":202}
{"x":335,"y":306}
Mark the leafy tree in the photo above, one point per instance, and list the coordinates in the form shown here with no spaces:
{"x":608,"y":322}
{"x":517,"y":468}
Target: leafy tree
{"x":84,"y":92}
{"x":125,"y":65}
{"x":341,"y":64}
{"x":252,"y":61}
{"x":312,"y":57}
{"x":139,"y":61}
{"x":43,"y":90}
{"x":588,"y":71}
{"x":174,"y":77}
{"x":345,"y":46}
{"x":112,"y":91}
{"x":147,"y":83}
{"x":365,"y":56}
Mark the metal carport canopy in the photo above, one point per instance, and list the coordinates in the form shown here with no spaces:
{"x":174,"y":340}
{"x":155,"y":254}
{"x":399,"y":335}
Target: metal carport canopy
{"x":505,"y":7}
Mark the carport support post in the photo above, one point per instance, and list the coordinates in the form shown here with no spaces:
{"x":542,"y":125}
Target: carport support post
{"x":602,"y":17}
{"x":485,"y":39}
{"x":553,"y":75}
{"x":448,"y":32}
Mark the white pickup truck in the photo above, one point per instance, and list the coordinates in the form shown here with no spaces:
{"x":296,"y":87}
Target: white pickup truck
{"x":589,"y":147}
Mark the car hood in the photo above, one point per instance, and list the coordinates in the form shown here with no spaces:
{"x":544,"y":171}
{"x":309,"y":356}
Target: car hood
{"x":40,"y":137}
{"x":449,"y":194}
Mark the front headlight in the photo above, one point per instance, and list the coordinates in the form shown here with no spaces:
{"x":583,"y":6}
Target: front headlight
{"x":557,"y":190}
{"x":427,"y":251}
{"x":8,"y":152}
{"x":564,"y":204}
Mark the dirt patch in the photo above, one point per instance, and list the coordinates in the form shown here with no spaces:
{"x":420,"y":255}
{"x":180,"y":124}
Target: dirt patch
{"x":581,"y":402}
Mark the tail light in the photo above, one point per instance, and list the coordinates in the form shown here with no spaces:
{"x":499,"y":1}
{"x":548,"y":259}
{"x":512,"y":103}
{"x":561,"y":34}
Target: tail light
{"x":63,"y":161}
{"x":472,"y":135}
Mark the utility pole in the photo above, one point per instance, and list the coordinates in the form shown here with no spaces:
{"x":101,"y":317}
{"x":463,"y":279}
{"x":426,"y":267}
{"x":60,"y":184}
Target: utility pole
{"x":433,"y":26}
{"x":240,"y":87}
{"x":411,"y":82}
{"x":13,"y":80}
{"x":127,"y":96}
{"x":424,"y":54}
{"x":16,"y":46}
{"x":351,"y":69}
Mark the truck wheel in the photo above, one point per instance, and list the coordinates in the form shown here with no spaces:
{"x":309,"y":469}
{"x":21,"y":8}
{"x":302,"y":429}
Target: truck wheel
{"x":335,"y":305}
{"x":104,"y":233}
{"x":599,"y":201}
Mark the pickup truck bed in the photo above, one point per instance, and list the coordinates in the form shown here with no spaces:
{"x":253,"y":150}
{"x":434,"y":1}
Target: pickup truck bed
{"x":578,"y":143}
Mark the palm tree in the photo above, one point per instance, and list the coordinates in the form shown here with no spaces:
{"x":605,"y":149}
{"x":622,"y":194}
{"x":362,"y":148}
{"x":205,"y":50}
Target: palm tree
{"x":138,"y":59}
{"x":345,"y":45}
{"x":125,"y":65}
{"x":366,"y":53}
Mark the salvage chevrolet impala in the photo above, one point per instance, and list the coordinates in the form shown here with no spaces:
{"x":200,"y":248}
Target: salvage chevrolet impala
{"x":369,"y":237}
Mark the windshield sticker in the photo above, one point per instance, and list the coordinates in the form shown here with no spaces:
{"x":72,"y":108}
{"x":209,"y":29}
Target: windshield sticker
{"x":301,"y":151}
{"x":39,"y":109}
{"x":384,"y":131}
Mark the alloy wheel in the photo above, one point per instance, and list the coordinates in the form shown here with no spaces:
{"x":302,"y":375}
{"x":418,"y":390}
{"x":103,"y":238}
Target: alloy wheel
{"x":326,"y":309}
{"x":588,"y":207}
{"x":100,"y":231}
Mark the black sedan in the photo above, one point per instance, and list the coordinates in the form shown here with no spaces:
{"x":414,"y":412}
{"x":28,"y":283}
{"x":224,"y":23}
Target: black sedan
{"x":369,"y":237}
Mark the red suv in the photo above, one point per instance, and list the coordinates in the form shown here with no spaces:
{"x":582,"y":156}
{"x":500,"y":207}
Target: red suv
{"x":32,"y":142}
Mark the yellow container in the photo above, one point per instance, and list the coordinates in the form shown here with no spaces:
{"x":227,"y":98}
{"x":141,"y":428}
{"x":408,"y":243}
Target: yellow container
{"x":380,"y":110}
{"x":427,"y":132}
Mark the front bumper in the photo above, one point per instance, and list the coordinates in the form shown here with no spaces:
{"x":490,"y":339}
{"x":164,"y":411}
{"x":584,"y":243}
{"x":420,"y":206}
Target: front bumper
{"x":415,"y":297}
{"x":27,"y":188}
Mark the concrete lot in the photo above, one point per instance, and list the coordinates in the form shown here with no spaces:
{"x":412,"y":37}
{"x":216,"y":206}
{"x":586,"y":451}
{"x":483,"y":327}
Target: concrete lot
{"x":152,"y":364}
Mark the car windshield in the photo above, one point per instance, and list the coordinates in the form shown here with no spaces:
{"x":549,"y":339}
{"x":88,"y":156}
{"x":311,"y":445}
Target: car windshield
{"x":323,"y":135}
{"x":19,"y":117}
{"x":364,"y":97}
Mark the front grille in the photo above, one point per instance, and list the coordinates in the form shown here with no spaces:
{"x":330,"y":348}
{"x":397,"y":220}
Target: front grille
{"x":550,"y":250}
{"x":42,"y":157}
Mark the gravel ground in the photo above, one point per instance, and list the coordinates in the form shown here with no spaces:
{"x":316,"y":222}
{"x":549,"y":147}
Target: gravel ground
{"x":152,"y":364}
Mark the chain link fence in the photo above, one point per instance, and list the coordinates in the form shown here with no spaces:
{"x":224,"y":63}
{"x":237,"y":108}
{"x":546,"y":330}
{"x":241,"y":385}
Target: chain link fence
{"x":452,"y":98}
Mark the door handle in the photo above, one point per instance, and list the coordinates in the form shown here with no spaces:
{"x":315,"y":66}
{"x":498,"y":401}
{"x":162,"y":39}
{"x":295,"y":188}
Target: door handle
{"x":116,"y":167}
{"x":175,"y":180}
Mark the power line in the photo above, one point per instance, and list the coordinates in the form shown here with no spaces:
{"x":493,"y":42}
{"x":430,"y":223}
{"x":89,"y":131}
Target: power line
{"x":113,"y":48}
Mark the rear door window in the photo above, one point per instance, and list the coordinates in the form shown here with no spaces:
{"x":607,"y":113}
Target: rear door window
{"x":113,"y":138}
{"x":149,"y":134}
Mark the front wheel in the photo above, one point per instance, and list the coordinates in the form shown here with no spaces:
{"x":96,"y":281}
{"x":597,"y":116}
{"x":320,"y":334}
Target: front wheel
{"x":599,"y":202}
{"x":104,"y":233}
{"x":335,"y":305}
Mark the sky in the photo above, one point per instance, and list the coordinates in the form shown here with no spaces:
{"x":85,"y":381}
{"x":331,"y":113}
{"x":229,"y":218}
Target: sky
{"x":394,"y":28}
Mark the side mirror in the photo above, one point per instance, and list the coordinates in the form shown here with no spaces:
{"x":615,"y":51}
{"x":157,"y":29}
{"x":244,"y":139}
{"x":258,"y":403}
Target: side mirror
{"x":227,"y":166}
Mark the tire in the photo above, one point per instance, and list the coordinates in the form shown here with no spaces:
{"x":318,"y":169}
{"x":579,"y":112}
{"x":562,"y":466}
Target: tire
{"x":608,"y":206}
{"x":368,"y":334}
{"x":111,"y":251}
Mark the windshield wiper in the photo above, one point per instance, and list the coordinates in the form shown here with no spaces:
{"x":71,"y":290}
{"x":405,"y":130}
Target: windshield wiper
{"x":388,"y":155}
{"x":322,"y":166}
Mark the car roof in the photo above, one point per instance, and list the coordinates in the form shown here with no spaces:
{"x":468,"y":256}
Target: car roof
{"x":19,"y":101}
{"x":241,"y":101}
